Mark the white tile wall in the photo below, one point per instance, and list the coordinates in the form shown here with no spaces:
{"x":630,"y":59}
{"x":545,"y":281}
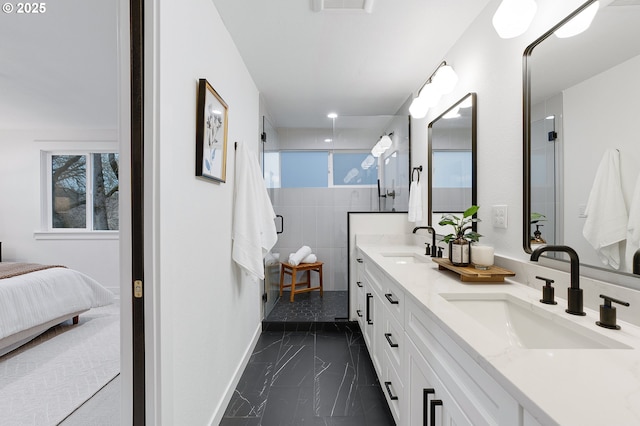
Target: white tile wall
{"x":317,"y":217}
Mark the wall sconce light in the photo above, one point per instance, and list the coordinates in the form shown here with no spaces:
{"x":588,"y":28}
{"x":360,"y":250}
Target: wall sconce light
{"x":578,"y":23}
{"x":513,"y":17}
{"x":382,"y":145}
{"x":440,"y":82}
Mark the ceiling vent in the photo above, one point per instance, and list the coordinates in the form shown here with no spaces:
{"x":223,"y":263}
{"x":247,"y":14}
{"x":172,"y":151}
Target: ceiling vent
{"x":342,"y":5}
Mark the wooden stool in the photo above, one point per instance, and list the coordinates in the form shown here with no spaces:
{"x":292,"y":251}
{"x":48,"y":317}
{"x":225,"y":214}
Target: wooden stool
{"x":292,"y":270}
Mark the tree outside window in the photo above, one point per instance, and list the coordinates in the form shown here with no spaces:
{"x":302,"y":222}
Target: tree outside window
{"x":84,"y":191}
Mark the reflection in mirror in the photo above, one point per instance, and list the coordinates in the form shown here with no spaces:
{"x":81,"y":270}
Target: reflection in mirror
{"x":452,"y":161}
{"x":581,"y":103}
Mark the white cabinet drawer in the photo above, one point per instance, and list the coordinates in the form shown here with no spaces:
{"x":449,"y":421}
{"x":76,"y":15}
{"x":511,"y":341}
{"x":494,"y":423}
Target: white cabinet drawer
{"x":393,"y":300}
{"x":392,"y":340}
{"x":393,"y":389}
{"x":477,"y":394}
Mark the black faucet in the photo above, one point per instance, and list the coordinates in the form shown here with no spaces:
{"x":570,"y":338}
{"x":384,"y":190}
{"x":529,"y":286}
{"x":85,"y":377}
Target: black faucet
{"x":574,"y":293}
{"x":636,"y":262}
{"x":434,"y":249}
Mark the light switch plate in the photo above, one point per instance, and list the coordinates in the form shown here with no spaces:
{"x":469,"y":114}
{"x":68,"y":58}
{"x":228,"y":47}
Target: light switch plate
{"x":499,"y":216}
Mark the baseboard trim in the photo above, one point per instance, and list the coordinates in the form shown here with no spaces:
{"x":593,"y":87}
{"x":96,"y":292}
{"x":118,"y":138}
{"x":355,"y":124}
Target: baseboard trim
{"x":231,"y":387}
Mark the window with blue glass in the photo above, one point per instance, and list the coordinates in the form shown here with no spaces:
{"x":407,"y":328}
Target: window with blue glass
{"x":304,"y":169}
{"x":354,"y":169}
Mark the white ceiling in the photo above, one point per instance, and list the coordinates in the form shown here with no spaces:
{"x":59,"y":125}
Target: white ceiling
{"x":58,"y":69}
{"x":308,"y":63}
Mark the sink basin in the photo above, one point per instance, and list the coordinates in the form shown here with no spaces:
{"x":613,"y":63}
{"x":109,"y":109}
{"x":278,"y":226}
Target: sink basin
{"x":526,"y":325}
{"x":406,"y":258}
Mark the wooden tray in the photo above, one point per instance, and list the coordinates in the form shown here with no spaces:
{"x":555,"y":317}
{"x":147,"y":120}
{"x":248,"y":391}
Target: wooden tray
{"x":469,"y":274}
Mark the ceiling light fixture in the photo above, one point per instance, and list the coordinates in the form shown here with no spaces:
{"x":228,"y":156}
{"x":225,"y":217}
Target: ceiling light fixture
{"x":332,"y":115}
{"x":442,"y":81}
{"x":513,"y":17}
{"x":578,"y":23}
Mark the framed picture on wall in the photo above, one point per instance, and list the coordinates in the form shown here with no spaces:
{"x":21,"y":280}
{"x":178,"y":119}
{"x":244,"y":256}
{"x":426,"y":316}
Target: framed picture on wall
{"x":211,"y":133}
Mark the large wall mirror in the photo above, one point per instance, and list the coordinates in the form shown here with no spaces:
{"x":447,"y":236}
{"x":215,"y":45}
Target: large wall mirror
{"x":452,"y":161}
{"x":582,"y":105}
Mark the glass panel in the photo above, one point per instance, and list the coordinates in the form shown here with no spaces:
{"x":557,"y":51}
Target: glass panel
{"x":69,"y":191}
{"x":272,"y":169}
{"x":105,"y":191}
{"x":354,"y":169}
{"x":304,"y":169}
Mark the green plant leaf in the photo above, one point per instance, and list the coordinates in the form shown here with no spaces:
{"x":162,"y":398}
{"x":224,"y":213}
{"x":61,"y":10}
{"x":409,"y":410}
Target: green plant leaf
{"x":470,"y":211}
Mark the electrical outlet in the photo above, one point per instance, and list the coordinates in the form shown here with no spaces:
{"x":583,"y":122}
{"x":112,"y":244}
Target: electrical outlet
{"x":499,"y":216}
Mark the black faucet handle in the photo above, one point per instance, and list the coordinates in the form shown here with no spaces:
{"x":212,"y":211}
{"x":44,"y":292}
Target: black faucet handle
{"x":608,"y":313}
{"x":427,"y":249}
{"x":548,"y":296}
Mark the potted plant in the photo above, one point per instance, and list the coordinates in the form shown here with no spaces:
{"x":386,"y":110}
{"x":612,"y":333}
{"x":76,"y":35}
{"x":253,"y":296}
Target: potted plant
{"x":460,"y":240}
{"x":537,"y":234}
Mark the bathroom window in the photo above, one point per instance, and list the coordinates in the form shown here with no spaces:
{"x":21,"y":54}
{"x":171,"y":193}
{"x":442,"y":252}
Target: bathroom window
{"x":319,"y":169}
{"x":451,"y":187}
{"x":83,"y":191}
{"x":304,"y":169}
{"x":354,"y":168}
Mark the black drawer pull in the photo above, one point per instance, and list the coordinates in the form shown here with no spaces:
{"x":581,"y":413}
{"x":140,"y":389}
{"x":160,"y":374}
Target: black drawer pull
{"x":391,"y":395}
{"x":389,"y":297}
{"x":359,"y":284}
{"x":359,"y":260}
{"x":434,"y":404}
{"x":388,"y":336}
{"x":425,"y":404}
{"x":359,"y":312}
{"x":369,"y":297}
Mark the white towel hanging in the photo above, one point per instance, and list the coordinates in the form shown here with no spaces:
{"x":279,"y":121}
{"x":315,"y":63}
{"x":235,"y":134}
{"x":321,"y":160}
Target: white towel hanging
{"x":254,"y":229}
{"x":606,"y":224}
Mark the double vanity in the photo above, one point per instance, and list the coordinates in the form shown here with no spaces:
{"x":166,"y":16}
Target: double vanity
{"x":448,"y":352}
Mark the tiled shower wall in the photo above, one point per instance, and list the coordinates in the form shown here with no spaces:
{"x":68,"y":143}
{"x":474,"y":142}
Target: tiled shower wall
{"x":317,"y":217}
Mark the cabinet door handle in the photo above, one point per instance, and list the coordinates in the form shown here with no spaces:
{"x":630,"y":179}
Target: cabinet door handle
{"x":359,"y":312}
{"x":359,"y":260}
{"x":388,"y":336}
{"x":390,"y":298}
{"x":359,"y":284}
{"x":425,"y":405}
{"x":369,"y":297}
{"x":391,"y":395}
{"x":433,"y":405}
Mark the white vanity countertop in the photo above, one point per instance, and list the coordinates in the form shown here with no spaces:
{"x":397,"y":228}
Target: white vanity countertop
{"x":567,"y":386}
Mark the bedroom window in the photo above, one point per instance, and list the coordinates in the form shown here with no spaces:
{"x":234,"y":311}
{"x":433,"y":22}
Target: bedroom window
{"x":84,"y":191}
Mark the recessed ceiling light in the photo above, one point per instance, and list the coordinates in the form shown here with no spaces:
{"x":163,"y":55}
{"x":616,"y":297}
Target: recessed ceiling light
{"x":328,"y":140}
{"x":332,"y":115}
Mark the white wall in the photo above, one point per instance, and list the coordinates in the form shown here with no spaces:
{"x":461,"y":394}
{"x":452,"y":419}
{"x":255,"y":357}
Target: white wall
{"x":20,"y":210}
{"x":492,"y":67}
{"x":588,"y":132}
{"x":207,"y":312}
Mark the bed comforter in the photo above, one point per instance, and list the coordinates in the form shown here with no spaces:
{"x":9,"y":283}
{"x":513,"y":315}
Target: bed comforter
{"x":35,"y":298}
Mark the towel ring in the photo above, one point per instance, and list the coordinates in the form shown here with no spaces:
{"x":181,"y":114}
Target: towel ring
{"x":416,"y":169}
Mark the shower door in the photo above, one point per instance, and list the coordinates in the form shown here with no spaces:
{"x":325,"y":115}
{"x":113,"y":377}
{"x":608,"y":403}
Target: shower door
{"x":271,"y":288}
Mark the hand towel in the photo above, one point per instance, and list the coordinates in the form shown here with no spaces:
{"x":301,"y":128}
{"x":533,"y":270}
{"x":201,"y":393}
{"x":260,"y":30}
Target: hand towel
{"x":254,"y":229}
{"x":606,"y":224}
{"x":633,"y":226}
{"x":415,"y":202}
{"x":296,"y":258}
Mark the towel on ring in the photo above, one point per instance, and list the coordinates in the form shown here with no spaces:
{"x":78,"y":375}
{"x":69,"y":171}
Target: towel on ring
{"x":606,"y":224}
{"x":296,"y":258}
{"x":633,"y":227}
{"x":415,"y":202}
{"x":254,"y":229}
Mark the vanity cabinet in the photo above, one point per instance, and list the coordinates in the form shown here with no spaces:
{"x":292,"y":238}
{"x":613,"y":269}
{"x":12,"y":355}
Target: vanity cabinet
{"x":418,"y":362}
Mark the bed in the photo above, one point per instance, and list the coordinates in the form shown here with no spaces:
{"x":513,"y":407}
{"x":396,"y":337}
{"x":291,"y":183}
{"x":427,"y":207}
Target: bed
{"x":34,"y":298}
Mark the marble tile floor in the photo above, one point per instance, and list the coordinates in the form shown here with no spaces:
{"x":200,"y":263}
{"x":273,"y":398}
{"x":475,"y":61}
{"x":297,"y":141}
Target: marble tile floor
{"x":320,"y":377}
{"x":310,"y":307}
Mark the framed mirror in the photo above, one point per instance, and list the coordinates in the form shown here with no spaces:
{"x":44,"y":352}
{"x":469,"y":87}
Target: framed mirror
{"x":581,"y":103}
{"x":452,"y":157}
